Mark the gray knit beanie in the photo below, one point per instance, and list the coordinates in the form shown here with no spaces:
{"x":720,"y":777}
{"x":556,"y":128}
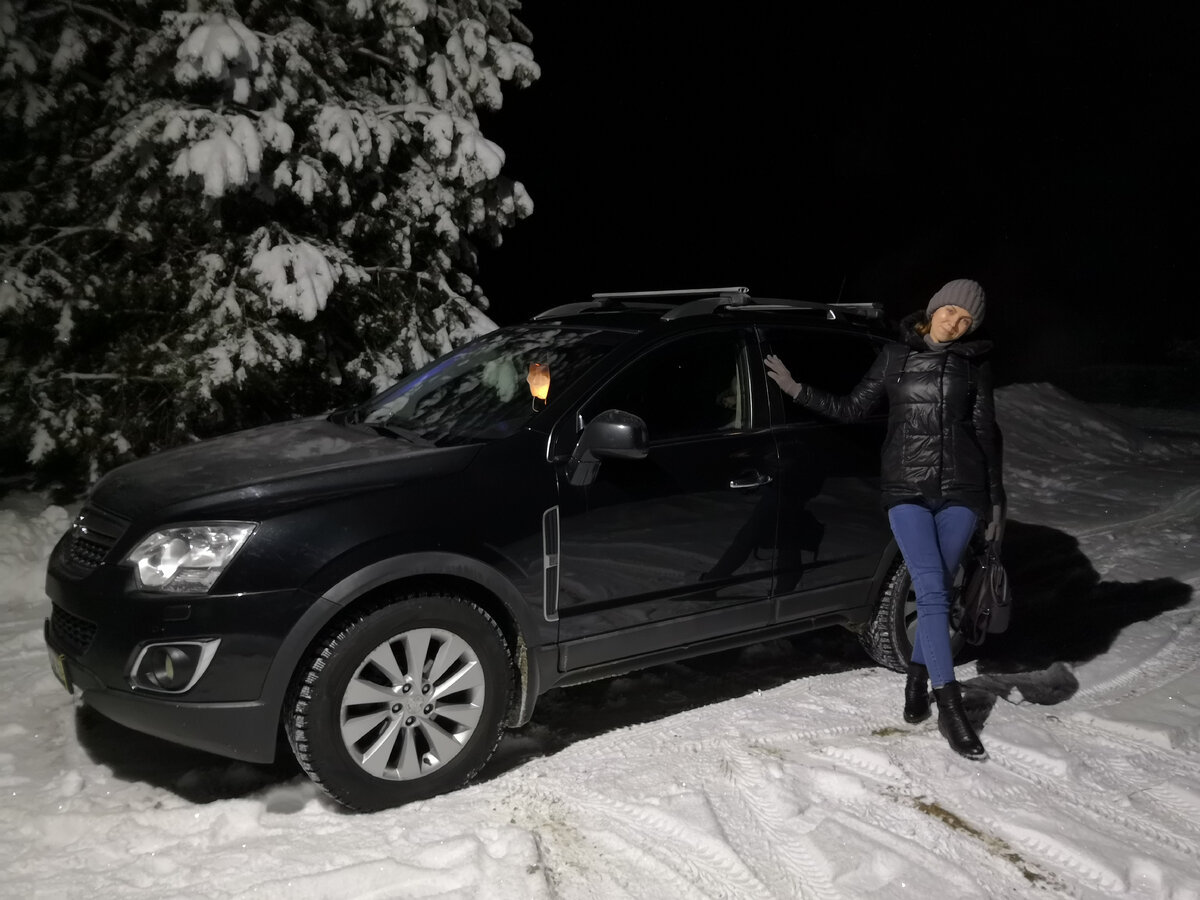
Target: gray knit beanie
{"x":961,"y":292}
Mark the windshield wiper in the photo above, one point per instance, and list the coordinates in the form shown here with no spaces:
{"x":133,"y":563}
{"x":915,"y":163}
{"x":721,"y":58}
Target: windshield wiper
{"x":350,"y":416}
{"x":389,"y":430}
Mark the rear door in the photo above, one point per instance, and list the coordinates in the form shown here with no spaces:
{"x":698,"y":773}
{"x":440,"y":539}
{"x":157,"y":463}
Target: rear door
{"x":678,"y":547}
{"x":832,"y":528}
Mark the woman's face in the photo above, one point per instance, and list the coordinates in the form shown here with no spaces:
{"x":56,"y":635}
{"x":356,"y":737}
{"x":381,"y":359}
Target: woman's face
{"x":949,"y":323}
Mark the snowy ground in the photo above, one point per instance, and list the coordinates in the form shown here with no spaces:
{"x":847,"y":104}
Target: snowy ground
{"x":785,"y":773}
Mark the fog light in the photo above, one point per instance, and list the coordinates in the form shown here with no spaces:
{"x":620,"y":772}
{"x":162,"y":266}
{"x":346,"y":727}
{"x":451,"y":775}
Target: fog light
{"x":169,"y":668}
{"x":172,"y":667}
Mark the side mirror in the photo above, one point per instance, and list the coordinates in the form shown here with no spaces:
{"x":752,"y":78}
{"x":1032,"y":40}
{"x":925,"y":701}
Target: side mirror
{"x":613,"y":434}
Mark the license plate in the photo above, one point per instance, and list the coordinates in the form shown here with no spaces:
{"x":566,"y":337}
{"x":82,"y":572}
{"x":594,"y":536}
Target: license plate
{"x":58,"y":665}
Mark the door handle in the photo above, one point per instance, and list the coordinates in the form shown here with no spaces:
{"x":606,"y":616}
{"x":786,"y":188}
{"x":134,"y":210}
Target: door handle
{"x":758,"y":479}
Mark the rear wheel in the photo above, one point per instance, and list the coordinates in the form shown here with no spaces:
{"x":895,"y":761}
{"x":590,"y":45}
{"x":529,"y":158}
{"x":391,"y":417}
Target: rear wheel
{"x":889,"y":636}
{"x":401,"y":702}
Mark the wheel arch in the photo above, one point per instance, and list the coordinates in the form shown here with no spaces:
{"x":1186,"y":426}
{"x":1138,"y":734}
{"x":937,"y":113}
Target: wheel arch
{"x":883,"y":572}
{"x":888,"y":561}
{"x":473,"y":579}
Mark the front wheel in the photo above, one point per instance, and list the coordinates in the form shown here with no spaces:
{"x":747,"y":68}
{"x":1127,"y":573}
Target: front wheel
{"x":889,"y":635}
{"x":401,"y":702}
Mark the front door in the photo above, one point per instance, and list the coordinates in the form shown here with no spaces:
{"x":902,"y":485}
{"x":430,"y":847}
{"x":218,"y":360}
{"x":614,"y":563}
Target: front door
{"x":678,"y":547}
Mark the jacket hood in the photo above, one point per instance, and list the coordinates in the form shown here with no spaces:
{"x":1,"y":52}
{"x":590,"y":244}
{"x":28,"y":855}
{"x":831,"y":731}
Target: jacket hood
{"x":914,"y":341}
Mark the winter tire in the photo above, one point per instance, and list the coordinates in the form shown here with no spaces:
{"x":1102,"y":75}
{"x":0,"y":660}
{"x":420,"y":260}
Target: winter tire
{"x":889,"y":635}
{"x":401,"y":702}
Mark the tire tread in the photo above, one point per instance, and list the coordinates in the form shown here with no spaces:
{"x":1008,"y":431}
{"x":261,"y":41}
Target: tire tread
{"x":880,"y":638}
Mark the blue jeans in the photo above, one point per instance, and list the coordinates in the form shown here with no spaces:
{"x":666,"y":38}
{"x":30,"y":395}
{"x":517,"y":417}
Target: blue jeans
{"x":932,"y":541}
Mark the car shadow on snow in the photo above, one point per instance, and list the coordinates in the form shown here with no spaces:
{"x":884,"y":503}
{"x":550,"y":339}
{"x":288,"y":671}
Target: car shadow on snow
{"x":569,"y":714}
{"x":194,"y":775}
{"x":1063,"y":614}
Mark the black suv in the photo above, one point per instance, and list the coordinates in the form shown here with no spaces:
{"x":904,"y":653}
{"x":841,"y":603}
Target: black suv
{"x":611,"y":485}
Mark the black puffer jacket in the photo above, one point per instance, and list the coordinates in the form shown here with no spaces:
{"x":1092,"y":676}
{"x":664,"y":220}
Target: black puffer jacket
{"x":942,"y":441}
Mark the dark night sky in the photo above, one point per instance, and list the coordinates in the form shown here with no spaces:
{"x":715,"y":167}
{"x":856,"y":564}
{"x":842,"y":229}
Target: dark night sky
{"x":1045,"y":150}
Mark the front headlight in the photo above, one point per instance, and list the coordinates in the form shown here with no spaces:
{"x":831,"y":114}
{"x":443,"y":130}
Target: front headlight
{"x":187,"y":558}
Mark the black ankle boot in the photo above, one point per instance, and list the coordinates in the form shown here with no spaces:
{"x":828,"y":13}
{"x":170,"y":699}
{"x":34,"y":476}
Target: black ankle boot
{"x":953,"y":723}
{"x":916,"y":694}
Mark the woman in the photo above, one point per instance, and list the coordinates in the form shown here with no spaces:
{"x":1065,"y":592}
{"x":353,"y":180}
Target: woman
{"x":940,"y":473}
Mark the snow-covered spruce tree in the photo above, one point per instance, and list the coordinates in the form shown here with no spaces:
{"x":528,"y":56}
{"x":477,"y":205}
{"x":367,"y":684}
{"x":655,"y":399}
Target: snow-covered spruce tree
{"x":218,"y":212}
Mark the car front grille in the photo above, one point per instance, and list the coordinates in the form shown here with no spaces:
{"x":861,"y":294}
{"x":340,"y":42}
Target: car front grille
{"x":72,"y":633}
{"x":83,"y":552}
{"x":93,"y":534}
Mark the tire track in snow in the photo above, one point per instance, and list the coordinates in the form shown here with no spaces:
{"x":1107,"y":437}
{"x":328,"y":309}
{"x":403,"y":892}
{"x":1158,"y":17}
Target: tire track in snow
{"x":848,"y":789}
{"x":1124,"y":797}
{"x":1095,"y":807}
{"x":942,"y":846}
{"x":799,"y":703}
{"x":1066,"y":855}
{"x":1173,"y":659}
{"x":1185,"y":506}
{"x":844,"y":718}
{"x":771,"y":836}
{"x":1026,"y":773}
{"x":1181,"y":802}
{"x":1146,"y":775}
{"x":1006,"y":820}
{"x":676,"y":858}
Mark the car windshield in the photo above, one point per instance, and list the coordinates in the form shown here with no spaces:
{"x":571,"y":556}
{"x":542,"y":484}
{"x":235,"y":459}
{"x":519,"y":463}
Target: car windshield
{"x":484,"y":390}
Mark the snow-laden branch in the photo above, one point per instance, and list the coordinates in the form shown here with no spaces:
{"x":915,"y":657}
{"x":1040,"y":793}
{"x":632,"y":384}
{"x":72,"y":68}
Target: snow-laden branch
{"x":94,"y":376}
{"x":376,"y":57}
{"x":62,"y":233}
{"x":419,"y":277}
{"x":220,"y":49}
{"x":20,"y":252}
{"x":58,"y":9}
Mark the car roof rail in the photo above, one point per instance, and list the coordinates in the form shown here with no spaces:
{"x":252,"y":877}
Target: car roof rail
{"x":707,"y":300}
{"x":650,"y":300}
{"x":835,"y":310}
{"x":729,"y":293}
{"x":865,"y":308}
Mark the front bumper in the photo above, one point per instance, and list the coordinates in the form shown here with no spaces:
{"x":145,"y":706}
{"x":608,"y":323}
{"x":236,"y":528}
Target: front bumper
{"x":246,"y":730}
{"x":98,"y":627}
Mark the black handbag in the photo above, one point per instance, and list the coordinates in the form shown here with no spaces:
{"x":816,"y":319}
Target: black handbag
{"x":986,"y":595}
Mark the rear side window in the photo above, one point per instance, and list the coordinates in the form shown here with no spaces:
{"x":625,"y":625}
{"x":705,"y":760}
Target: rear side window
{"x":827,"y":360}
{"x":695,"y":385}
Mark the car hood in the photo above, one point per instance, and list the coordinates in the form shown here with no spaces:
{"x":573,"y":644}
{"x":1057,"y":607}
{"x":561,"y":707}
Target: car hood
{"x":297,"y":461}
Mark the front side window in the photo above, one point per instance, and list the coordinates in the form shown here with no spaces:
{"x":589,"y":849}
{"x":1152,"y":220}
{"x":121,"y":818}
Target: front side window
{"x":487,"y":389}
{"x":693,"y":385}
